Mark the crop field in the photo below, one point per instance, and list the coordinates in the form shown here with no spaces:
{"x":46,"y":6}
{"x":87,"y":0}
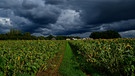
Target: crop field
{"x":26,"y":58}
{"x":112,"y":57}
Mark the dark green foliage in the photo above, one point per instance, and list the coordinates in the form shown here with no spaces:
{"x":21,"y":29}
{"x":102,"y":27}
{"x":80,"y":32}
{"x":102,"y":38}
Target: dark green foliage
{"x":60,"y":37}
{"x":41,"y":38}
{"x":49,"y":37}
{"x":105,"y":35}
{"x":18,"y":35}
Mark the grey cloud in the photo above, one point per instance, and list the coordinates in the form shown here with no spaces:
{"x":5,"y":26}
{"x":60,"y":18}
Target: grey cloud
{"x":128,"y":34}
{"x":17,"y":22}
{"x":15,"y":4}
{"x":37,"y":34}
{"x":6,"y":4}
{"x":5,"y":13}
{"x":119,"y":26}
{"x":30,"y":4}
{"x":55,"y":2}
{"x":69,"y":19}
{"x":5,"y":24}
{"x":4,"y":30}
{"x":85,"y":34}
{"x":68,"y":22}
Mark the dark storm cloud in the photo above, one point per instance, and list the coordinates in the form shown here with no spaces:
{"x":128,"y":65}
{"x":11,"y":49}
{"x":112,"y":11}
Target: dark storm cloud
{"x":15,"y":21}
{"x":42,"y":15}
{"x":116,"y":11}
{"x":106,"y":11}
{"x":55,"y":2}
{"x":33,"y":11}
{"x":101,"y":15}
{"x":67,"y":23}
{"x":120,"y":26}
{"x":69,"y":17}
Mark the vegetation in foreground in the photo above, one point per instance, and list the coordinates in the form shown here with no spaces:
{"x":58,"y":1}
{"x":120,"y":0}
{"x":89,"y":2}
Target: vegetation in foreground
{"x":114,"y":57}
{"x":27,"y":57}
{"x":101,"y":57}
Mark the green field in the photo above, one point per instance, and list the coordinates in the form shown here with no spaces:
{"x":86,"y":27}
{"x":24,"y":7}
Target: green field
{"x":113,"y":57}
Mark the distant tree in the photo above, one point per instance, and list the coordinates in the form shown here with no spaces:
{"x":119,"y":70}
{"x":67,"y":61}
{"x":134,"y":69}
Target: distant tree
{"x":41,"y":38}
{"x":50,"y":37}
{"x":27,"y":34}
{"x":60,"y":37}
{"x":14,"y":32}
{"x":95,"y":35}
{"x":109,"y":34}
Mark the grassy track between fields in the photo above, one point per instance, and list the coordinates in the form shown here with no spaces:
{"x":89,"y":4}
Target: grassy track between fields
{"x":69,"y":66}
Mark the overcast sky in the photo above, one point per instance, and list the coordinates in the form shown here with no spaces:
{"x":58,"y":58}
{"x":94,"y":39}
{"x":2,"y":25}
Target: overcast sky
{"x":68,"y":17}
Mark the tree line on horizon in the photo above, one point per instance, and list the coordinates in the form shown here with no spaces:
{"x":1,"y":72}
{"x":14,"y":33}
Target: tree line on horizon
{"x":109,"y":34}
{"x":14,"y":34}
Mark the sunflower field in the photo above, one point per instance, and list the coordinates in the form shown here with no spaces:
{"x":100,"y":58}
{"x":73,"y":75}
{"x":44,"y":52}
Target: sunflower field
{"x":113,"y":57}
{"x":27,"y":57}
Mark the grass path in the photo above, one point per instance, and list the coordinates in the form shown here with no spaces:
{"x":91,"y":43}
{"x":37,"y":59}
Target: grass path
{"x":69,"y":66}
{"x":65,"y":65}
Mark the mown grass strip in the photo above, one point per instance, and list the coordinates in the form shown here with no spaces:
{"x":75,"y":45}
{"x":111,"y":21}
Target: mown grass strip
{"x":69,"y":66}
